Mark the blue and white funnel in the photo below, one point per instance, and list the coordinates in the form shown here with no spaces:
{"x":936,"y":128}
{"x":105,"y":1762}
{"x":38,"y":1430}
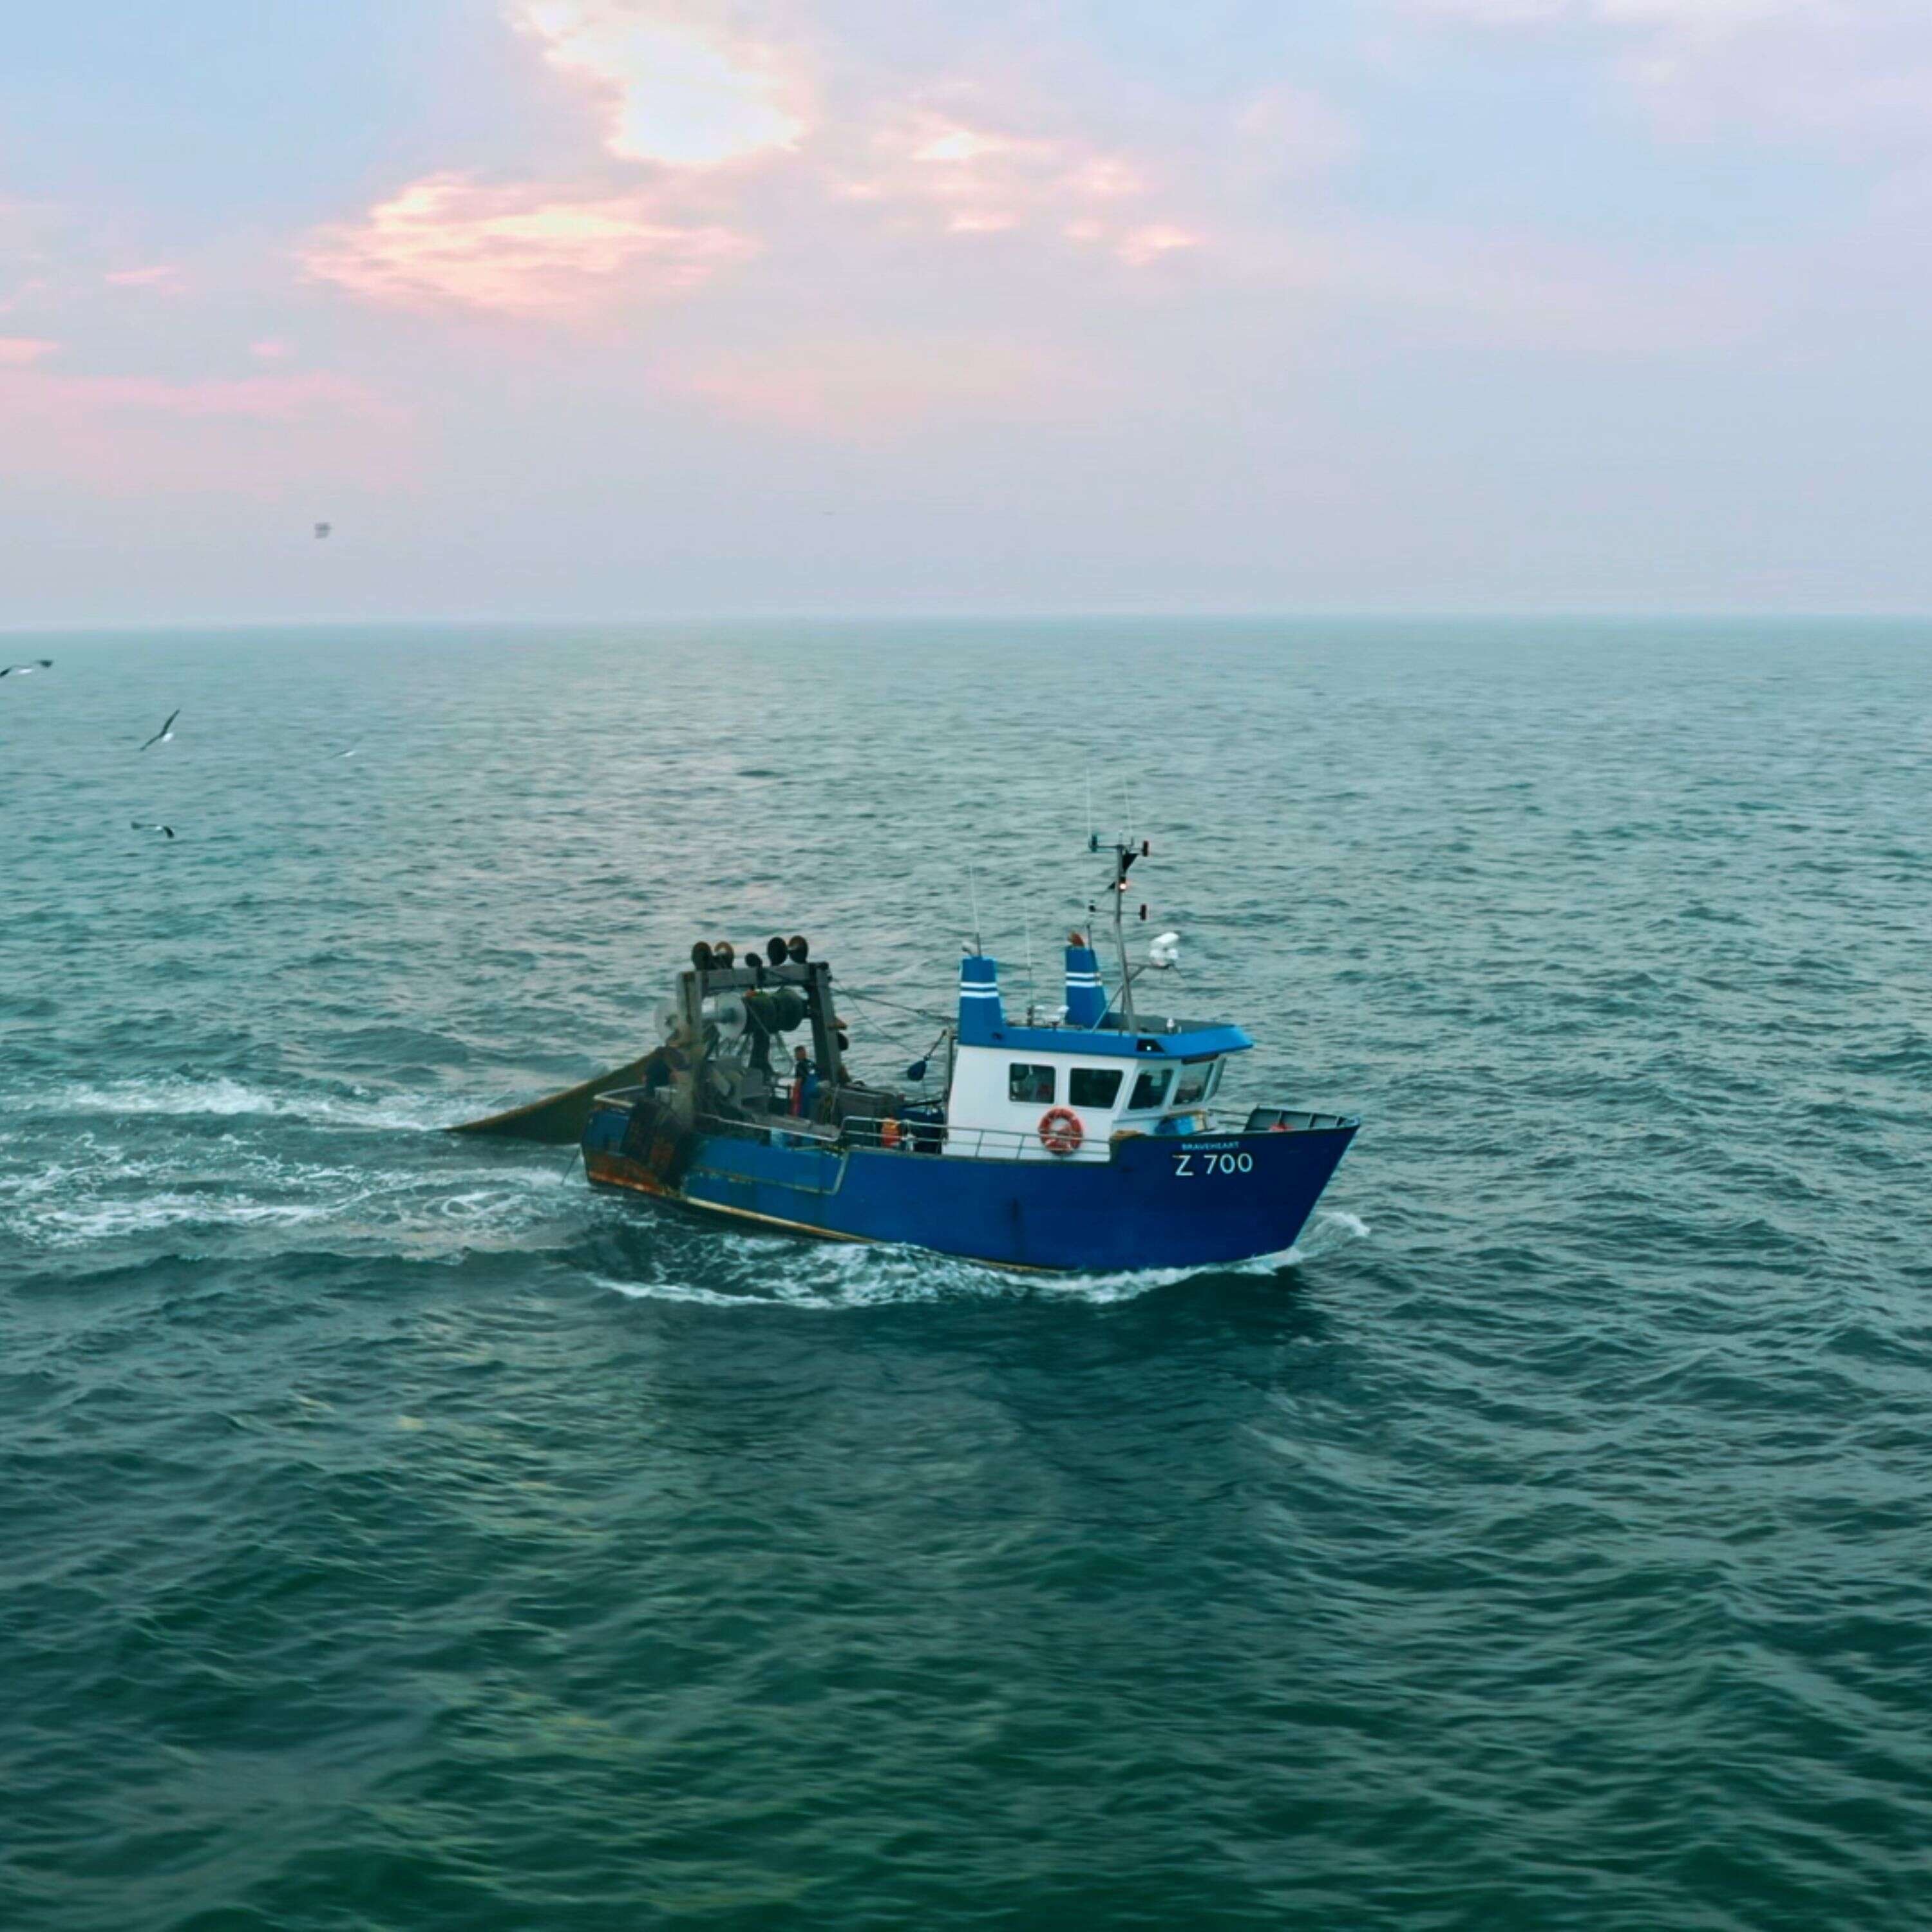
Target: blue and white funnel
{"x":981,"y":1014}
{"x":1086,"y":997}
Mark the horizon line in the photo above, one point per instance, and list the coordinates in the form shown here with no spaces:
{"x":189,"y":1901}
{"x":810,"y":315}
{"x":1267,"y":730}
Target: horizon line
{"x":1340,"y":614}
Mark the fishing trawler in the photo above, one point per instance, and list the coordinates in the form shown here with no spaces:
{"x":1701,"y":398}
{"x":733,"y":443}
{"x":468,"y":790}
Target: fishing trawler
{"x":1087,"y":1139}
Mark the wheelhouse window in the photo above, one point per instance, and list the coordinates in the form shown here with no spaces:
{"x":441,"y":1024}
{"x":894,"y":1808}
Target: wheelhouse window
{"x":1150,"y":1089}
{"x":1032,"y":1084}
{"x":1094,"y":1086}
{"x":1196,"y":1083}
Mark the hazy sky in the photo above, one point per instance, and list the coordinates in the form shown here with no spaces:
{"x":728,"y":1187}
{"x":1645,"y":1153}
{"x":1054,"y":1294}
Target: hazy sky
{"x":622,"y":306}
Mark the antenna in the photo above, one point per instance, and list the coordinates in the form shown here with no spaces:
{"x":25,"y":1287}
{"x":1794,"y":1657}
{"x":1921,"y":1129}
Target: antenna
{"x":973,"y":887}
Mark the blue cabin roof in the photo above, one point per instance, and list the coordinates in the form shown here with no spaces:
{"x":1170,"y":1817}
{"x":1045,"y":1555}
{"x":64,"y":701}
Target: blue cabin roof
{"x":982,"y":1022}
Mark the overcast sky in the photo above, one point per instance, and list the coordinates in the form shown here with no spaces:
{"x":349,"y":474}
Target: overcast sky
{"x":629,"y":307}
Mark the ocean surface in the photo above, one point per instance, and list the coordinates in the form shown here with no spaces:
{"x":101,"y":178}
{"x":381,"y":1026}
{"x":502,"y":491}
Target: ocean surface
{"x":396,"y":1537}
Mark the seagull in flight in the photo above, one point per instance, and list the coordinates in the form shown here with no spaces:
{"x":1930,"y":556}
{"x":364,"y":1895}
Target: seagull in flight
{"x":165,"y":734}
{"x":142,"y":825}
{"x":27,"y":670}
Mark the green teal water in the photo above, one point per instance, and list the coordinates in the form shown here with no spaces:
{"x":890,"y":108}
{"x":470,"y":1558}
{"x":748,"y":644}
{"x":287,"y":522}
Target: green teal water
{"x":396,"y":1536}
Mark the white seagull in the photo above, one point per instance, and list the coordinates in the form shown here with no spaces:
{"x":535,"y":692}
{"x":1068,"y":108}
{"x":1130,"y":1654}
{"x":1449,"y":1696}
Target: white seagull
{"x":142,"y":825}
{"x":27,"y":670}
{"x":165,"y":735}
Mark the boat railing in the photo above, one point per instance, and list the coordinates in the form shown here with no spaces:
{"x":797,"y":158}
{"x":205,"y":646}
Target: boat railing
{"x":781,"y":1128}
{"x":917,"y":1136}
{"x":1054,"y":1019}
{"x":890,"y":1134}
{"x":1294,"y":1120}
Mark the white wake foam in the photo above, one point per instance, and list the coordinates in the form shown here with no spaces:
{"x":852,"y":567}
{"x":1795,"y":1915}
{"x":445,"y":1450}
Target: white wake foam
{"x":1351,"y":1227}
{"x":683,"y":1291}
{"x":93,"y":1191}
{"x":830,"y":1276}
{"x":108,"y":1220}
{"x":222,"y":1099}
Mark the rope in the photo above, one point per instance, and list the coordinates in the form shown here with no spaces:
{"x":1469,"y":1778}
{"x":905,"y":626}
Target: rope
{"x":889,"y":1034}
{"x":891,"y":1037}
{"x":847,"y":990}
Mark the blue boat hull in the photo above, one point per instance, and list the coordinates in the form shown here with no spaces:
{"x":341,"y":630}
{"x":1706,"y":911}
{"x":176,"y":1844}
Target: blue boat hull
{"x":1159,"y":1201}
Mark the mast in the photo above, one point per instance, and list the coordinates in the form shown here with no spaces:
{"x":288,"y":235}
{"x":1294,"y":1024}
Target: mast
{"x":824,"y":1034}
{"x":1124,"y":856}
{"x":687,"y":1084}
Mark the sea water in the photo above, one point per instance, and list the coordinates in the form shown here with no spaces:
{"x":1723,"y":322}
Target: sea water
{"x":397,"y":1535}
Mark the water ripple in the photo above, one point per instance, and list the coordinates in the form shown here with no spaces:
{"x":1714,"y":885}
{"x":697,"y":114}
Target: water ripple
{"x":401,"y":1536}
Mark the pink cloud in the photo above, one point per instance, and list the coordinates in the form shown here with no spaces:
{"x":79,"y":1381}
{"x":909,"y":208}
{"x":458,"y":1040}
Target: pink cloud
{"x":983,"y":221}
{"x":524,"y":251}
{"x":163,"y":277}
{"x":970,"y":178}
{"x":1858,"y":73}
{"x":260,"y":398}
{"x":867,"y":387}
{"x":1140,"y":246}
{"x":128,"y":432}
{"x":932,"y":141}
{"x":677,"y":86}
{"x":20,"y":351}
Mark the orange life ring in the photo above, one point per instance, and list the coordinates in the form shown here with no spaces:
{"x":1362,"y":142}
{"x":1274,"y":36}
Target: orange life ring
{"x":889,"y":1132}
{"x":1061,"y":1131}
